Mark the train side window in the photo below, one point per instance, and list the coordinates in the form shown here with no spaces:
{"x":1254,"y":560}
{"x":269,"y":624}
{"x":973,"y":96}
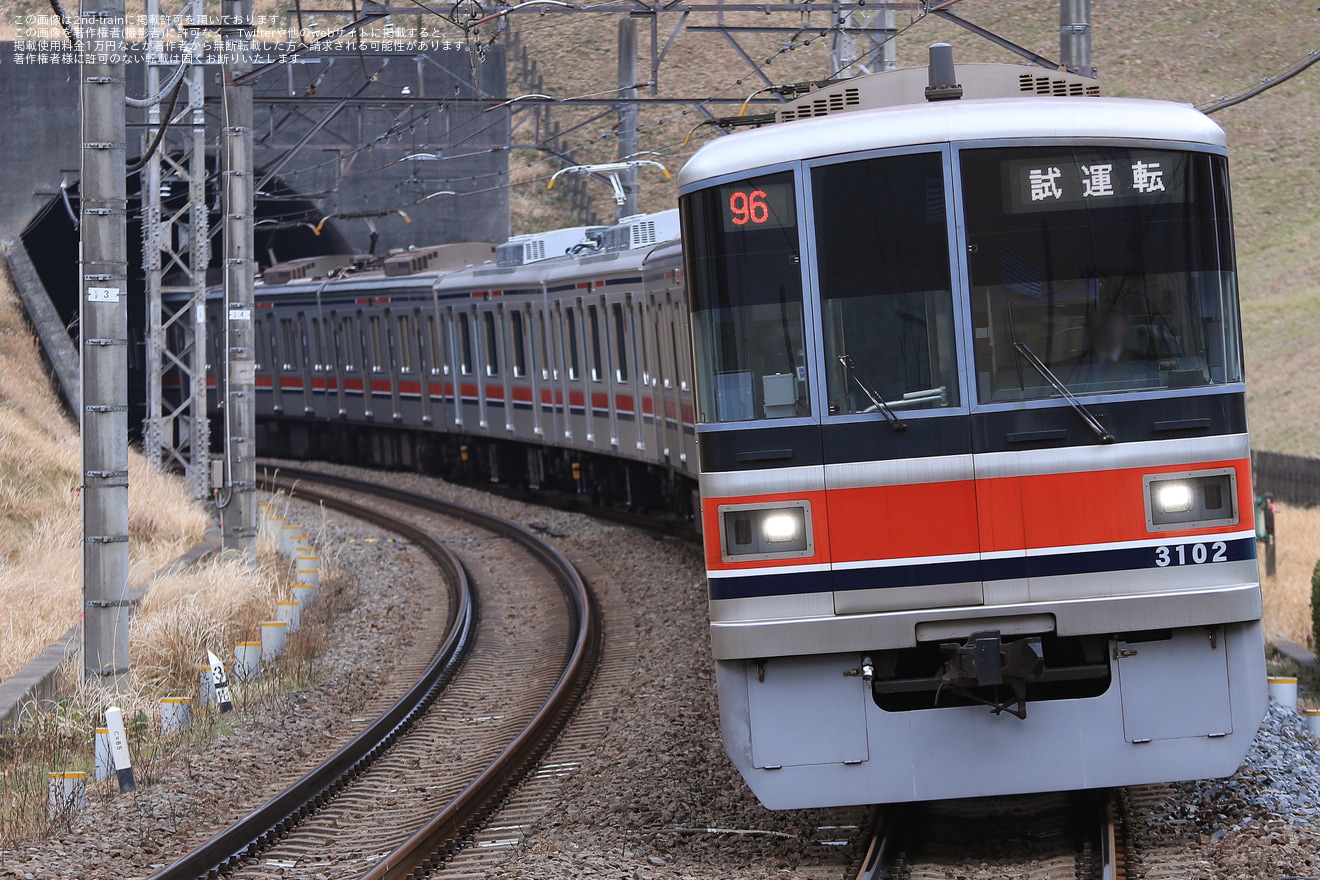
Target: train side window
{"x":313,"y":346}
{"x":659,"y":350}
{"x":262,"y":346}
{"x":407,"y":362}
{"x":377,"y":342}
{"x":289,"y":345}
{"x":593,"y":319}
{"x":639,"y":322}
{"x":678,"y":363}
{"x":621,"y":337}
{"x":745,"y":286}
{"x":885,"y":288}
{"x":571,"y":330}
{"x":519,"y":345}
{"x":439,"y":358}
{"x":548,"y":368}
{"x":349,"y":357}
{"x":465,"y":344}
{"x":492,"y":344}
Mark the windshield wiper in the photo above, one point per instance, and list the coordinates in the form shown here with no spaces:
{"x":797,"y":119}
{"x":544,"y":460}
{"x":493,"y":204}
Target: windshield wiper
{"x":1092,"y":422}
{"x":868,"y":388}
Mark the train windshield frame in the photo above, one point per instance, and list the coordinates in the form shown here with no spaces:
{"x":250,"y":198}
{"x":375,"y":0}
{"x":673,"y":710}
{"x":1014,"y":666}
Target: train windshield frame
{"x":1112,"y":265}
{"x":744,"y":271}
{"x":887,"y":307}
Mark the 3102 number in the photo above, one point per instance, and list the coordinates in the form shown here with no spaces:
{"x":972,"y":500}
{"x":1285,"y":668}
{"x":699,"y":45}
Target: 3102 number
{"x":1195,"y":554}
{"x":748,"y":207}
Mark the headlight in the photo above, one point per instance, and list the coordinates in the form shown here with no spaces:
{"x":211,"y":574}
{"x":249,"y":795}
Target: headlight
{"x":765,"y":531}
{"x":777,"y":528}
{"x":1190,"y":500}
{"x":1173,"y":497}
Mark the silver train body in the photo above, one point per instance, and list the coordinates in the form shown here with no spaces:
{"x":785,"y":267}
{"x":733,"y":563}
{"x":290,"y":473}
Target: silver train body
{"x":975,"y":475}
{"x":961,"y":385}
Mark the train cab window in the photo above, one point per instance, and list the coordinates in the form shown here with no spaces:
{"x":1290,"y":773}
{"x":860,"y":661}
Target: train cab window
{"x":1109,"y":268}
{"x":406,"y":348}
{"x":882,"y":258}
{"x":492,"y":344}
{"x":746,"y":297}
{"x":621,"y":337}
{"x":465,"y":344}
{"x":593,"y":317}
{"x":519,"y":344}
{"x":570,"y":329}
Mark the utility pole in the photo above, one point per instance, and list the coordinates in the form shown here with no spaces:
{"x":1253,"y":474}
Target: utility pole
{"x":1075,"y":36}
{"x":237,"y":498}
{"x":177,"y":432}
{"x":103,"y":330}
{"x":628,"y":115}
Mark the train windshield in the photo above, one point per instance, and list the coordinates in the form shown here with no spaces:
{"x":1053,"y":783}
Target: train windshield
{"x":882,"y":252}
{"x":1112,"y":266}
{"x":745,"y":284}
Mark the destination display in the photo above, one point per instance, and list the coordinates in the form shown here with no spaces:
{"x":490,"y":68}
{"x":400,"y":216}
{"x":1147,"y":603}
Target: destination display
{"x":1075,"y":180}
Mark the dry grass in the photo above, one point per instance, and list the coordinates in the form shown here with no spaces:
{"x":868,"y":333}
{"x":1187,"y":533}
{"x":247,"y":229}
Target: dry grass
{"x":40,"y":517}
{"x":1287,"y":595}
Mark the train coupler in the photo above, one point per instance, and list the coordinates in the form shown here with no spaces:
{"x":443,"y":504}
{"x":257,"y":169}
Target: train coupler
{"x":985,"y":660}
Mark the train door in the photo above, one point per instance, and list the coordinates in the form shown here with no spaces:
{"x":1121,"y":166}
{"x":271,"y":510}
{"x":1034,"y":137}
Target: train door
{"x":542,"y":380}
{"x":426,"y":361}
{"x":665,"y":406}
{"x":596,"y":401}
{"x":408,"y":369}
{"x":575,"y":424}
{"x":459,"y":359}
{"x":520,"y":382}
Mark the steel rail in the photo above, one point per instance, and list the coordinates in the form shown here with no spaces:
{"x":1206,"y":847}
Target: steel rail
{"x":278,"y":815}
{"x":445,"y":828}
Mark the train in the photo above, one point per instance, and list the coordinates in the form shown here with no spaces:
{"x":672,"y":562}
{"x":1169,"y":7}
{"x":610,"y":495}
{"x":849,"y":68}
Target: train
{"x":946,"y":364}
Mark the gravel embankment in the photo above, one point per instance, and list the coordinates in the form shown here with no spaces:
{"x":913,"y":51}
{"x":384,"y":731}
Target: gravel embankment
{"x":273,"y":737}
{"x":659,"y":798}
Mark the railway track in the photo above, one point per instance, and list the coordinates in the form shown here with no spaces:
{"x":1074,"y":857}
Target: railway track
{"x":1057,"y":836}
{"x":518,"y":649}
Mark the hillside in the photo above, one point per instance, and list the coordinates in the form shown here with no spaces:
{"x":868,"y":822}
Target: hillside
{"x":1182,"y":51}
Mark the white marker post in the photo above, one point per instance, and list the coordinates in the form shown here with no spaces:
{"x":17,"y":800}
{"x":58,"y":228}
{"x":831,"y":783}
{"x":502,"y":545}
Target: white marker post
{"x":221,"y":684}
{"x":114,"y":722}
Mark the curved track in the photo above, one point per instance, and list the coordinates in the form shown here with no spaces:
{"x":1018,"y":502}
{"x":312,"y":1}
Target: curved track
{"x":412,"y":725}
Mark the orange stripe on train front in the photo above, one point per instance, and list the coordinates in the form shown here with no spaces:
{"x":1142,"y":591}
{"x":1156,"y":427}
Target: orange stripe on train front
{"x":1013,"y":513}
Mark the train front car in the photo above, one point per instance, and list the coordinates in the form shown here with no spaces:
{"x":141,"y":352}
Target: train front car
{"x":974,"y":465}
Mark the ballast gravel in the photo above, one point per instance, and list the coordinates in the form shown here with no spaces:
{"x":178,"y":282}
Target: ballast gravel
{"x":658,"y":798}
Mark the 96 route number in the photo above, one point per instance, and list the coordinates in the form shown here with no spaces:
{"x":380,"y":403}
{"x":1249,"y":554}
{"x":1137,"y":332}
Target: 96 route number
{"x":1194,"y":554}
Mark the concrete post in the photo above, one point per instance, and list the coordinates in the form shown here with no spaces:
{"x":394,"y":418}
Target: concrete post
{"x":103,"y":324}
{"x":1075,"y":36}
{"x":628,"y":114}
{"x":238,"y":499}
